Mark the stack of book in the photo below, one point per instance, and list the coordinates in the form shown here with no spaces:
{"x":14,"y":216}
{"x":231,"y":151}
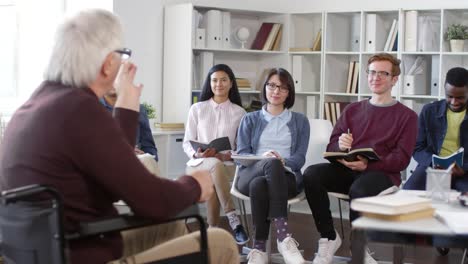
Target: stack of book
{"x":333,"y":110}
{"x":268,"y":37}
{"x":353,"y":78}
{"x":170,"y":126}
{"x":394,"y":207}
{"x":243,"y":84}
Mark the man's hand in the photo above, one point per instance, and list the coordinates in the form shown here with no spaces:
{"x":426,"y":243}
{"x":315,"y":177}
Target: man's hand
{"x":359,"y":165}
{"x":206,"y":185}
{"x":345,"y":141}
{"x":457,"y":171}
{"x":138,"y":151}
{"x":223,"y":156}
{"x":128,"y":94}
{"x":209,"y":152}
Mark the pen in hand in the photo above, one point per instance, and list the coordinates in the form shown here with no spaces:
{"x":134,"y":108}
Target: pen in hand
{"x":349,"y":149}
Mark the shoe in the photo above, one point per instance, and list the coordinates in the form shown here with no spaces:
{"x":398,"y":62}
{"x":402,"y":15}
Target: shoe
{"x":326,"y":250}
{"x":256,"y":256}
{"x":368,"y":259}
{"x":289,"y":251}
{"x":240,"y":235}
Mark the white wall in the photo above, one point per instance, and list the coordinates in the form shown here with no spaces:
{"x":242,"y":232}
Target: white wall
{"x":143,"y":24}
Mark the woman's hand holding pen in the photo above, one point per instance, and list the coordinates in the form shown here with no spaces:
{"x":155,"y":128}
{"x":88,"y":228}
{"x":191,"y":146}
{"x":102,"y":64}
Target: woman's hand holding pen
{"x":345,"y":141}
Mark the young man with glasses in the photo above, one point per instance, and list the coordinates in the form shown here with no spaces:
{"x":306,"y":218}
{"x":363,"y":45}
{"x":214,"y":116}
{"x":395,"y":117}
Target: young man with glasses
{"x":381,"y":123}
{"x":441,"y":126}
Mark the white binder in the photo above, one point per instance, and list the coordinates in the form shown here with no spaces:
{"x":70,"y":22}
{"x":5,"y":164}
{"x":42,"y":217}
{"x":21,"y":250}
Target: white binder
{"x":355,"y":33}
{"x":226,"y":39}
{"x":411,"y":30}
{"x":297,"y":72}
{"x":303,"y":74}
{"x":200,"y":38}
{"x":206,"y":62}
{"x":213,"y":29}
{"x":435,"y":69}
{"x":374,"y":33}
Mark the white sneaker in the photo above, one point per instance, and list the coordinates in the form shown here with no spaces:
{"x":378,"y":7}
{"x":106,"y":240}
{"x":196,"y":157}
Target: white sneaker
{"x":326,"y":250}
{"x":289,"y":251}
{"x":256,"y":256}
{"x":368,"y":259}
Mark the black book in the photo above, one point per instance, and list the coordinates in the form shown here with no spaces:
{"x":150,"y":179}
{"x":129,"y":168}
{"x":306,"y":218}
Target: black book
{"x":368,"y":153}
{"x":219,"y":144}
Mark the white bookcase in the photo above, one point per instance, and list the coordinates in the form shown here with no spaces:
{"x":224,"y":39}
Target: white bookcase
{"x":320,"y":76}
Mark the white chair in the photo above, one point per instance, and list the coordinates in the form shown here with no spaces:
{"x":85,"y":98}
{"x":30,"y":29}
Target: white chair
{"x":274,"y":258}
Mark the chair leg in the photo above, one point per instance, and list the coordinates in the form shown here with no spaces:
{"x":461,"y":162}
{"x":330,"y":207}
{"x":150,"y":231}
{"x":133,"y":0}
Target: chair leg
{"x":244,"y":216}
{"x":341,"y":219}
{"x":464,"y":258}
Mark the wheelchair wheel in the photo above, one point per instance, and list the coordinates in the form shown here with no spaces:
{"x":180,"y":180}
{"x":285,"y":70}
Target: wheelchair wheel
{"x":443,"y":251}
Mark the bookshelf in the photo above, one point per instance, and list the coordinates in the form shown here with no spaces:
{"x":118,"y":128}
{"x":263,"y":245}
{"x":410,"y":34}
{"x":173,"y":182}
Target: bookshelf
{"x":321,"y":76}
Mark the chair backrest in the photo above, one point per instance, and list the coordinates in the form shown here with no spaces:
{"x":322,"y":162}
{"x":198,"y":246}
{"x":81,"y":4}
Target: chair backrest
{"x":31,"y":230}
{"x":320,"y":131}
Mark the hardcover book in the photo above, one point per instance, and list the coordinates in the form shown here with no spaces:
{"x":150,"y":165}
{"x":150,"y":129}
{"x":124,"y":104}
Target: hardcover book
{"x":219,"y":144}
{"x":393,"y":204}
{"x":368,"y":153}
{"x":445,"y":162}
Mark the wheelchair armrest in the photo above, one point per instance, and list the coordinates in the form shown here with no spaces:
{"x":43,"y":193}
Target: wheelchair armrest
{"x":125,"y":222}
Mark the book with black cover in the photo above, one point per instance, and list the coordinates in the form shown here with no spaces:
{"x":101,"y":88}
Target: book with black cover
{"x":219,"y":144}
{"x":444,"y":162}
{"x":368,"y":153}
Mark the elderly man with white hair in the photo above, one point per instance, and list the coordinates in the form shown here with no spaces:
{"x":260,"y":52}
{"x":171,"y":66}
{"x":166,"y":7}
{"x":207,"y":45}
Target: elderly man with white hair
{"x":64,"y":138}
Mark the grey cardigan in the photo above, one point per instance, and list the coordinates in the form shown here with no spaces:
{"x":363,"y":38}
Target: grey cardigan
{"x":252,"y":126}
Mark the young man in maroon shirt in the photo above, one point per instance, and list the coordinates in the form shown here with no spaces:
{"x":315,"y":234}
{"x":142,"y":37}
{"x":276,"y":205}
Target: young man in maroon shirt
{"x":381,"y":123}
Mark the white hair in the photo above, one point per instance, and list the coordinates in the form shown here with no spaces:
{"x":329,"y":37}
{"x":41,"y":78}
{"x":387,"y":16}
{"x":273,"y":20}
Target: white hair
{"x":81,"y":46}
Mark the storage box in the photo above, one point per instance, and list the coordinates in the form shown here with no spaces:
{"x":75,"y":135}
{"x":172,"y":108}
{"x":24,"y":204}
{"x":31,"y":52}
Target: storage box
{"x":415,"y":84}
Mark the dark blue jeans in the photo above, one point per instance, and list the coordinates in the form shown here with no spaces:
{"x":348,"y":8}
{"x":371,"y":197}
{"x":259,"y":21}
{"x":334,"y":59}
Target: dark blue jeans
{"x":417,"y":181}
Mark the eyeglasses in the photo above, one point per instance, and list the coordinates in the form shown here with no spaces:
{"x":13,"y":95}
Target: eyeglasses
{"x":124,"y":53}
{"x":373,"y":73}
{"x":272,"y":87}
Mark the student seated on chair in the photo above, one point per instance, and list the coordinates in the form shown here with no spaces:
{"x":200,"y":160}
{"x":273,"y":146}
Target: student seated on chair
{"x":64,"y":138}
{"x":218,"y":114}
{"x":283,"y":137}
{"x":381,"y":123}
{"x":144,"y":140}
{"x":442,"y":130}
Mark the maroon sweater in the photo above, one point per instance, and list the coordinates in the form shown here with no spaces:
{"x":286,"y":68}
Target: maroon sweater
{"x":391,"y":131}
{"x":63,"y":137}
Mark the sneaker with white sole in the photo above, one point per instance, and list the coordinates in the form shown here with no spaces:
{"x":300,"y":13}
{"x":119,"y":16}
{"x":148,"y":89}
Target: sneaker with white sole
{"x":289,"y":251}
{"x":256,"y":256}
{"x":368,"y":259}
{"x":326,"y":250}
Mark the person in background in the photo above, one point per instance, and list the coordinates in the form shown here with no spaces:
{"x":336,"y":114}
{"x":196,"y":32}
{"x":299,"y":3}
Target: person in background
{"x":443,"y":129}
{"x":144,"y":141}
{"x":381,"y":123}
{"x":283,"y":137}
{"x":218,"y":114}
{"x":63,"y":137}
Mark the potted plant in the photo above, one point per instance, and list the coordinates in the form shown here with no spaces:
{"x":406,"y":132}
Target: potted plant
{"x":456,"y":34}
{"x":150,"y":112}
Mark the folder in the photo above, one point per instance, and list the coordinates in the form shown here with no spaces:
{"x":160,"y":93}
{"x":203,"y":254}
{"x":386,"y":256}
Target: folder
{"x":355,"y":33}
{"x":213,"y":29}
{"x":303,"y":74}
{"x":411,"y":30}
{"x":374,"y":34}
{"x":226,"y":40}
{"x":435,"y":68}
{"x":200,"y":38}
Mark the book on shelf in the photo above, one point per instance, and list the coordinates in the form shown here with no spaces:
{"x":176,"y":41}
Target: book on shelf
{"x":219,"y":144}
{"x":445,"y":162}
{"x":243,"y":83}
{"x":420,"y":214}
{"x":355,"y":82}
{"x":368,"y":153}
{"x":300,"y":49}
{"x":247,"y":159}
{"x":390,"y":36}
{"x":349,"y":82}
{"x":277,"y":42}
{"x":392,"y":204}
{"x":333,"y":110}
{"x":262,"y":36}
{"x":395,"y":42}
{"x":317,"y":46}
{"x":170,"y":126}
{"x":271,"y":37}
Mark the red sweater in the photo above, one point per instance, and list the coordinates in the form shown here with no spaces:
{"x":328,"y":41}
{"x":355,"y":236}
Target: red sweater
{"x":391,"y":131}
{"x":63,"y":137}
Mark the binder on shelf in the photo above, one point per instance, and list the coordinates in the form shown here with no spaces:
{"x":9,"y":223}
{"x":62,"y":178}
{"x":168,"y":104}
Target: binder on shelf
{"x":196,"y":19}
{"x":206,"y":62}
{"x":303,"y":74}
{"x":214,"y":30}
{"x":414,"y":84}
{"x":435,"y":75}
{"x":391,"y":35}
{"x":261,"y":36}
{"x":226,"y":40}
{"x":355,"y":33}
{"x":374,"y":34}
{"x":200,"y":38}
{"x":297,"y":72}
{"x":411,"y":30}
{"x":311,"y":106}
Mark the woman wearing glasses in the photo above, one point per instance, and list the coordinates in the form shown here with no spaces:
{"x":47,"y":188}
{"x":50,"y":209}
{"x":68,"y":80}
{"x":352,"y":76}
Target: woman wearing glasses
{"x":282,"y":136}
{"x":218,"y":114}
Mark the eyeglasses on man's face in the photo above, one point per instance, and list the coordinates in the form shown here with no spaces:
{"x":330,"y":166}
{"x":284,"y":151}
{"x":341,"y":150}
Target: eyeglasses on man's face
{"x":373,"y":73}
{"x":272,"y":87}
{"x":124,"y":53}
